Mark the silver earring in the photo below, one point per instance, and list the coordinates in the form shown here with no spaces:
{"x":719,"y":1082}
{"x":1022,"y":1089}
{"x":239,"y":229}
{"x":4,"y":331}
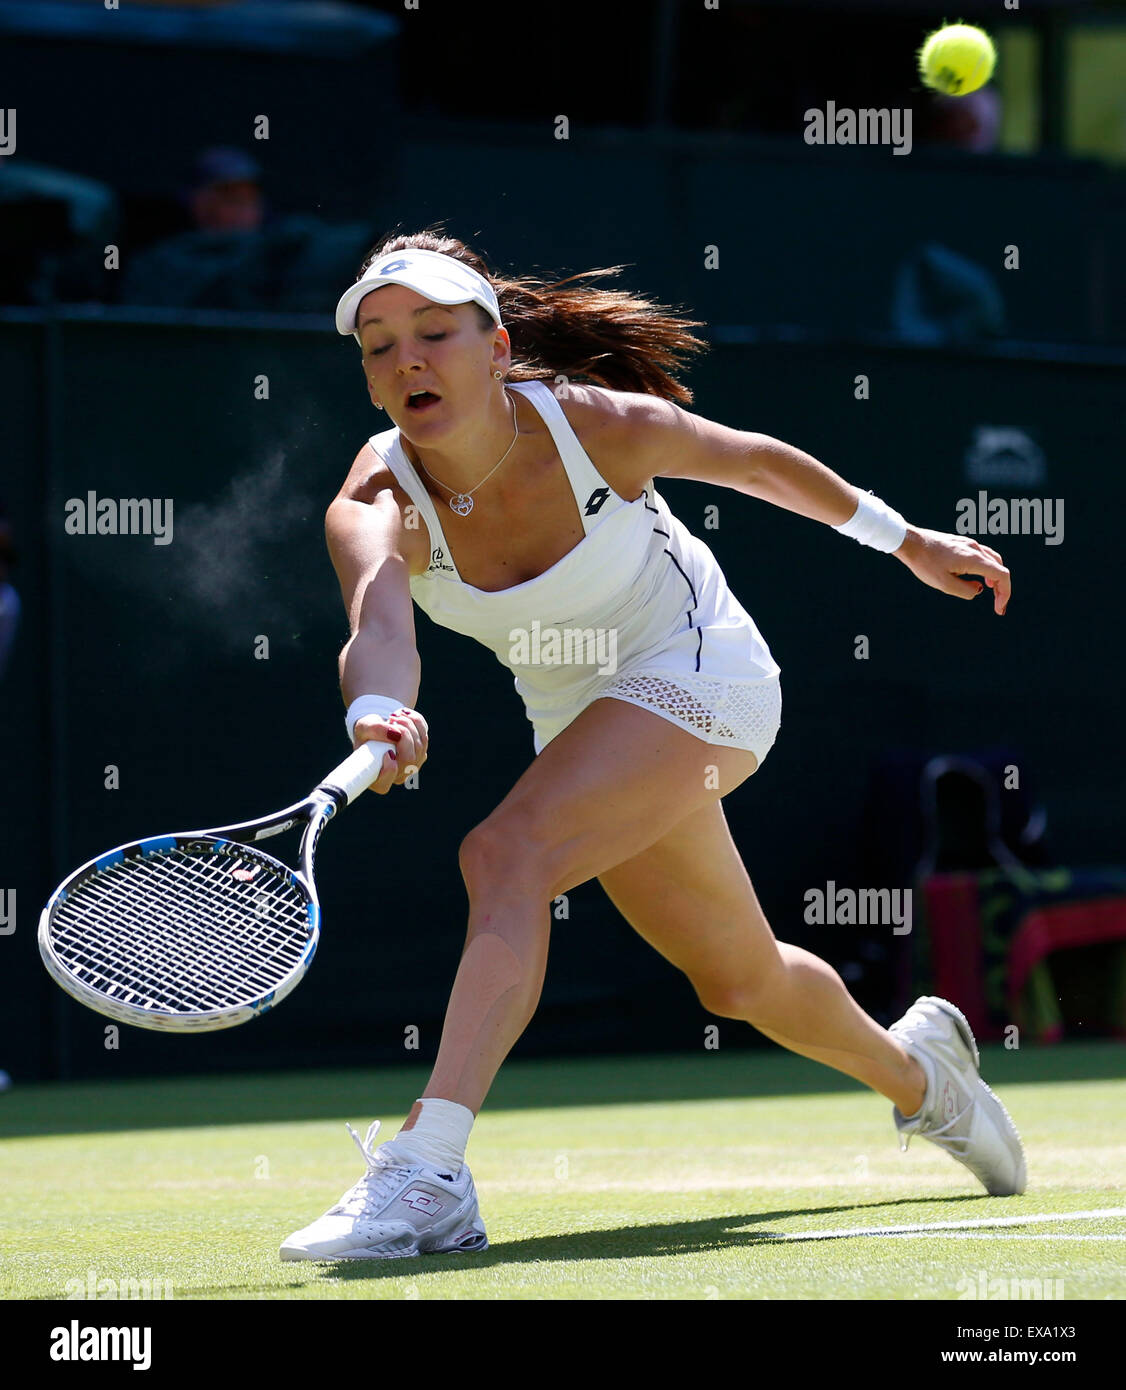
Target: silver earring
{"x":378,"y":406}
{"x":499,"y":375}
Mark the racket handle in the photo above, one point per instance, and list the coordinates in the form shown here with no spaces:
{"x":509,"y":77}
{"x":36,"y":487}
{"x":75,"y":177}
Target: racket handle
{"x":358,"y":771}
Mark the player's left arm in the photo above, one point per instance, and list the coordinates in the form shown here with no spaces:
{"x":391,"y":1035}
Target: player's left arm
{"x":666,"y":441}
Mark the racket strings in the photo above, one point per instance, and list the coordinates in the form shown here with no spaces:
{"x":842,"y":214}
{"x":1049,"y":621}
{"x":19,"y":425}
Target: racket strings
{"x":184,"y":930}
{"x":193,"y":948}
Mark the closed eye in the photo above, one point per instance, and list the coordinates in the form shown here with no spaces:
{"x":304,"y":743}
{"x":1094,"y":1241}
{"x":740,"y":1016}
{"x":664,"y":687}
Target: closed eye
{"x":430,"y":338}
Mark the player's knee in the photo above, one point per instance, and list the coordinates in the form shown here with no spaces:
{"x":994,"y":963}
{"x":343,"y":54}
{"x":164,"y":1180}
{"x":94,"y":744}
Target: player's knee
{"x":482,"y":855}
{"x":728,"y":996}
{"x":501,"y":852}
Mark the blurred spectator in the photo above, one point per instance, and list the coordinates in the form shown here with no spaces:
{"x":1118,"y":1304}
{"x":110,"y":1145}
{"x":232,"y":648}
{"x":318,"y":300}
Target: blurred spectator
{"x":9,"y":599}
{"x":226,"y":192}
{"x":971,"y":122}
{"x":237,"y":256}
{"x":941,"y":297}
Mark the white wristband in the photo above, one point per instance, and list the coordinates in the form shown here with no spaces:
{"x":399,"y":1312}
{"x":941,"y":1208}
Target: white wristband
{"x":876,"y":524}
{"x":383,"y":705}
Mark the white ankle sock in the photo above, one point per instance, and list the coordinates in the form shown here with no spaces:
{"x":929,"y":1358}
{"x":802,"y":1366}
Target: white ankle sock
{"x":439,"y":1135}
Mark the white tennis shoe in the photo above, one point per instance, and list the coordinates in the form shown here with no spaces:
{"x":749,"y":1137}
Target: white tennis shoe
{"x":959,"y":1112}
{"x":397,"y":1209}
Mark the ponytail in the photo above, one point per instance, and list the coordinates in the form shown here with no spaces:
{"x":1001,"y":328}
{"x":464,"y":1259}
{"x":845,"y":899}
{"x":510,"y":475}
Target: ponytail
{"x":574,"y":329}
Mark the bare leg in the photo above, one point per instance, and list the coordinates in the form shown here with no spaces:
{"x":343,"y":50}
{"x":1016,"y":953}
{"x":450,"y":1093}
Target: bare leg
{"x":820,"y":997}
{"x":495,"y":993}
{"x":616,"y":780}
{"x":690,"y":897}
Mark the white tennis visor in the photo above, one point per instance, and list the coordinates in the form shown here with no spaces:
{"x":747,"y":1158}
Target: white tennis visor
{"x":431,"y":274}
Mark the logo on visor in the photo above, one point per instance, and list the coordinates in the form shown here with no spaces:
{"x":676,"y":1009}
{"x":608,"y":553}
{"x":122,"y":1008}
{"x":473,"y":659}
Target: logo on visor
{"x":393,"y":266}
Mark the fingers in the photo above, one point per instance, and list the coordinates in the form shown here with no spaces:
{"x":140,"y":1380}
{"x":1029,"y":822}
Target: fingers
{"x":377,"y":730}
{"x":962,"y":588}
{"x":411,"y":748}
{"x":387,"y":773}
{"x":992,"y":569}
{"x":408,"y":734}
{"x":413,"y":722}
{"x":943,"y":559}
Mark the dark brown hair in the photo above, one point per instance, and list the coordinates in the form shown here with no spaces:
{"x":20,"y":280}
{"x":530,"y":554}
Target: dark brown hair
{"x":570,"y":328}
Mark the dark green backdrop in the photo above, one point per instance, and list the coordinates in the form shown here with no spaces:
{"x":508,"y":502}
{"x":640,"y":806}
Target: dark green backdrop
{"x":142,"y":657}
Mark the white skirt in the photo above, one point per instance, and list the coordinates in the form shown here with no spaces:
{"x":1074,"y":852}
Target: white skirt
{"x":712,"y":674}
{"x":724,"y":710}
{"x":736,"y":712}
{"x":716,"y":678}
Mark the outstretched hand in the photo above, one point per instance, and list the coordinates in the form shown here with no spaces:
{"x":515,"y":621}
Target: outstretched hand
{"x":938,"y":559}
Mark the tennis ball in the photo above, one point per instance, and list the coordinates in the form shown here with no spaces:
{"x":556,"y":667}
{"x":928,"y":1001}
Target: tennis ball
{"x":957,"y":59}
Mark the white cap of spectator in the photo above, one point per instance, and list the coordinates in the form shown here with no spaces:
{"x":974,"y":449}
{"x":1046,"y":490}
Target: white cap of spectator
{"x":444,"y":279}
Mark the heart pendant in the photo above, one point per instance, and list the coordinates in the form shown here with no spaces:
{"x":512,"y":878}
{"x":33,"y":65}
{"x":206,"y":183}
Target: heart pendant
{"x":462,"y":503}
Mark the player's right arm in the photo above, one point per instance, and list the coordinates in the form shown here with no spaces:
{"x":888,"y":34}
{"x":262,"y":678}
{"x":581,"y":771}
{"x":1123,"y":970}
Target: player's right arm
{"x":374,"y":553}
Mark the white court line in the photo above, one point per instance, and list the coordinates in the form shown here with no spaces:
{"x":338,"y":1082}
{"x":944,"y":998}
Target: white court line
{"x":929,"y":1227}
{"x":1008,"y":1235}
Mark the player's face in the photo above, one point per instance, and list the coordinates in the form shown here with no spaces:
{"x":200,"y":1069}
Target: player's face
{"x":410,"y":343}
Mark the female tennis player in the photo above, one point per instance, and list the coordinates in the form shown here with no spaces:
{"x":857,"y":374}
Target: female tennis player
{"x":515,"y":513}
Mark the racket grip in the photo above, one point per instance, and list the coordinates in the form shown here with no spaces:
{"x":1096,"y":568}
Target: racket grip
{"x":358,"y":771}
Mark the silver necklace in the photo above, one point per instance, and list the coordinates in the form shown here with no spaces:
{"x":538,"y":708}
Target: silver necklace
{"x":462,"y":502}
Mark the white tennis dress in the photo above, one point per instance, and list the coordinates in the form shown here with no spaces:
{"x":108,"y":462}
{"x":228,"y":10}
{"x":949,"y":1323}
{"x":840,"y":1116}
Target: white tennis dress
{"x":638,"y":610}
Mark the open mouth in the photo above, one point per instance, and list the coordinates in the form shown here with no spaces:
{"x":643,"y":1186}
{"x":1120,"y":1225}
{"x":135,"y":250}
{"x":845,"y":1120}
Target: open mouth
{"x":422,"y":400}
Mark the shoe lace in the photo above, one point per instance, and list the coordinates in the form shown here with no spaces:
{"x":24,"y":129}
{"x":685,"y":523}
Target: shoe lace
{"x":957,"y":1144}
{"x":378,"y":1184}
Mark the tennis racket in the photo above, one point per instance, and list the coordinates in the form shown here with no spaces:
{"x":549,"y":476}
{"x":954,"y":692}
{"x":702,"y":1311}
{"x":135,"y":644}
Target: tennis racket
{"x":197,"y":931}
